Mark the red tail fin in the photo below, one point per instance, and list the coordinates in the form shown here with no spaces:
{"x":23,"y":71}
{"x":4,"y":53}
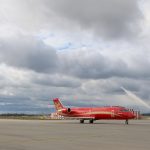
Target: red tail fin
{"x":58,"y":104}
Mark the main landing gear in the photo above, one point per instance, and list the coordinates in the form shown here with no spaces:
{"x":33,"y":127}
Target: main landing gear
{"x":126,"y":121}
{"x":81,"y":120}
{"x":90,"y":121}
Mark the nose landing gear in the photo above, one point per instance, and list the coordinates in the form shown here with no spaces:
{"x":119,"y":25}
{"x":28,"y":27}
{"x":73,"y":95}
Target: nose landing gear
{"x":126,"y":121}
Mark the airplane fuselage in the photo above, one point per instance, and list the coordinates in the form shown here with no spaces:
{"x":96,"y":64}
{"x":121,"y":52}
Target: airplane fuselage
{"x":113,"y":112}
{"x":94,"y":113}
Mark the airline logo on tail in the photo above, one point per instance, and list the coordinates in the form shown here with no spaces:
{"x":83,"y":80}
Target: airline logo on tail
{"x":58,"y":104}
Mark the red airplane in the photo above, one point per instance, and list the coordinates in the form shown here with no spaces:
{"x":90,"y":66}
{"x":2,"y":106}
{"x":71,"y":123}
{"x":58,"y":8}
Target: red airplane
{"x":94,"y":113}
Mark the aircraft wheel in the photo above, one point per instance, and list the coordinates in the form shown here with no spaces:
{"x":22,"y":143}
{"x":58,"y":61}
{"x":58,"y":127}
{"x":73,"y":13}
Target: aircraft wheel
{"x":91,"y":121}
{"x":82,"y":121}
{"x":126,"y":122}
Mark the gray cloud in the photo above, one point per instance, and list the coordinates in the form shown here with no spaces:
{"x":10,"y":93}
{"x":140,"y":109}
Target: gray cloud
{"x":91,"y":64}
{"x":56,"y":80}
{"x":27,"y":52}
{"x":35,"y":73}
{"x":15,"y":104}
{"x":109,"y":19}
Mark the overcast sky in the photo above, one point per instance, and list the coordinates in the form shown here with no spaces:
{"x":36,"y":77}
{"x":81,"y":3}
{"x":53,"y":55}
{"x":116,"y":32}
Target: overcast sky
{"x":82,"y":51}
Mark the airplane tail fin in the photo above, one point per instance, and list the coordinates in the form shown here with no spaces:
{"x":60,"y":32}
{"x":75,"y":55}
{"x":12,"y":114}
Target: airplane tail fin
{"x":58,"y":104}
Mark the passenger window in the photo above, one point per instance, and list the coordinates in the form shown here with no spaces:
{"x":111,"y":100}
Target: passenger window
{"x":124,"y":110}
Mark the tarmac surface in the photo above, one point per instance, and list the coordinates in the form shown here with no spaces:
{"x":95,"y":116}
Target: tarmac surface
{"x":71,"y":135}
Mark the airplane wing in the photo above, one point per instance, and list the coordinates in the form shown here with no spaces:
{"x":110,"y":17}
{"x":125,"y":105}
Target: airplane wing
{"x":85,"y":118}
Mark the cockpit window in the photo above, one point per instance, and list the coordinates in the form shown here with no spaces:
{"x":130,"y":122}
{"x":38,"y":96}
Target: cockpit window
{"x":124,"y":110}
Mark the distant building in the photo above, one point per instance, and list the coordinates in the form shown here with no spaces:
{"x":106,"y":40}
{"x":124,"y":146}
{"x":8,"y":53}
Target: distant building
{"x":55,"y":115}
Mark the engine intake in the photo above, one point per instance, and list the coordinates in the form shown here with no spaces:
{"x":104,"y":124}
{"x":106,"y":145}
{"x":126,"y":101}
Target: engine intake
{"x":69,"y":110}
{"x":66,"y":110}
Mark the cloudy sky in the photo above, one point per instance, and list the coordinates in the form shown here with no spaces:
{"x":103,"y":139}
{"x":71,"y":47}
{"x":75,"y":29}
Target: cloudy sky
{"x":81,"y":51}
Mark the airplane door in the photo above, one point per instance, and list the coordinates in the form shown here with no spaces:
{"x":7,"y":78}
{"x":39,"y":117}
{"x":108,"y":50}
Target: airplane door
{"x":90,"y":111}
{"x":112,"y":113}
